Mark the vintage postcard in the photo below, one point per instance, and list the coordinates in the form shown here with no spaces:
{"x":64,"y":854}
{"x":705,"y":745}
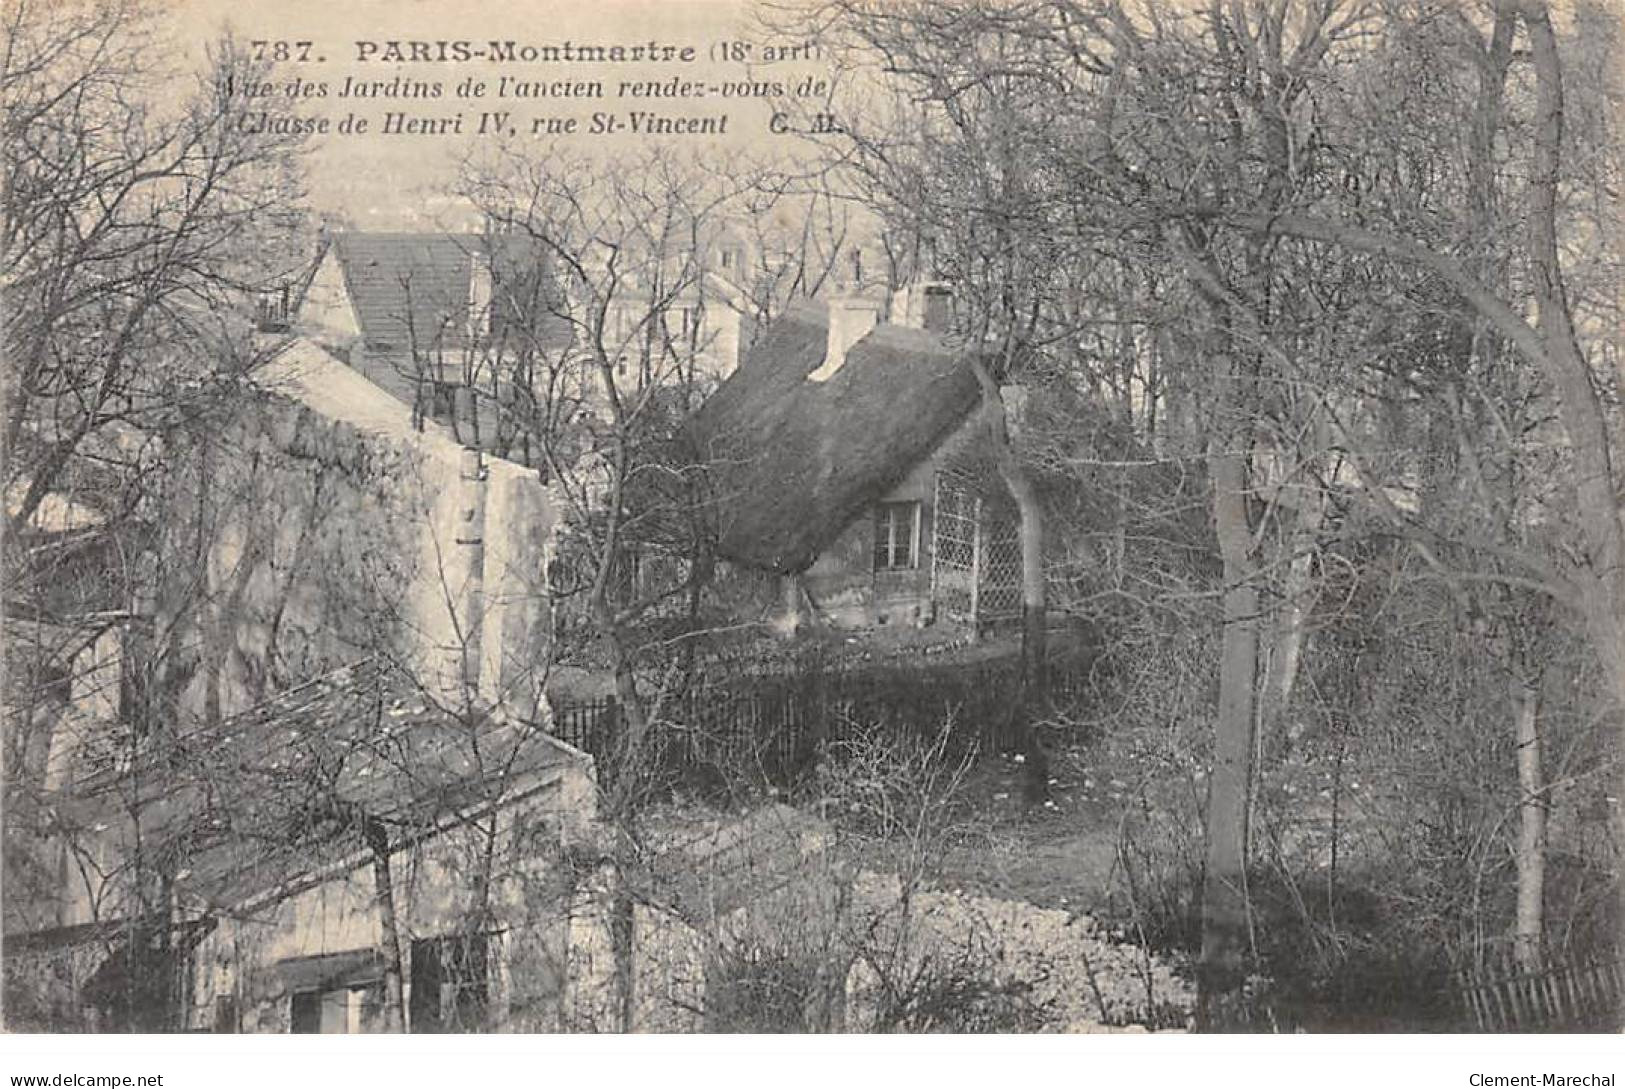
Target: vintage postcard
{"x":814,"y":516}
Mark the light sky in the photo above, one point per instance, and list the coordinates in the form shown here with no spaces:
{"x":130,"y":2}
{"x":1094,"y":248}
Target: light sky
{"x":383,"y":181}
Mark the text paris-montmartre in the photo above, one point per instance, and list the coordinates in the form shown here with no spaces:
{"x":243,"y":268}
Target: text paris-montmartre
{"x":396,"y":51}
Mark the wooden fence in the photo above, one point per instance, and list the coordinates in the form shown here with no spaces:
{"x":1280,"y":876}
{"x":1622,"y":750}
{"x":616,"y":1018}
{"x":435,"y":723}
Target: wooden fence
{"x":771,"y":727}
{"x":1557,"y":997}
{"x":589,"y":725}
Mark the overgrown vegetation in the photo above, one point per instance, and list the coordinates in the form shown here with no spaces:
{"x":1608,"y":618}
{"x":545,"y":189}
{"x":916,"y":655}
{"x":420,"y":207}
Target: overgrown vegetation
{"x":1296,"y":336}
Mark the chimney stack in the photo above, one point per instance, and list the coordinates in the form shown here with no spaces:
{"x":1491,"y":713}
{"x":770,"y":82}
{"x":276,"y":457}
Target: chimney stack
{"x":924,"y":305}
{"x":854,"y":309}
{"x":851,"y":317}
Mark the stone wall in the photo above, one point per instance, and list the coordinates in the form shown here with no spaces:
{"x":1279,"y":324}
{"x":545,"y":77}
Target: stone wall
{"x":328,"y":528}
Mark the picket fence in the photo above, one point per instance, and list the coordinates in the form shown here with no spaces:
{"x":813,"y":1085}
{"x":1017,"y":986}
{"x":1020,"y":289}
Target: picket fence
{"x":1557,"y":996}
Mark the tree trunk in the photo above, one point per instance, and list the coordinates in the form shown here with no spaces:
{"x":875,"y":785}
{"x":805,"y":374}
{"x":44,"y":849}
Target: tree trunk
{"x":1032,"y":697}
{"x":389,"y":934}
{"x":1033,"y":701}
{"x":622,"y":921}
{"x":1531,"y":855}
{"x":1222,"y":970}
{"x":1291,"y":626}
{"x":628,"y":750}
{"x":1578,"y":405}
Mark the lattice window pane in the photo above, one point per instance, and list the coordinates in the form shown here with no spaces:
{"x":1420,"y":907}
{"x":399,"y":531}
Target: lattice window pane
{"x":999,"y":593}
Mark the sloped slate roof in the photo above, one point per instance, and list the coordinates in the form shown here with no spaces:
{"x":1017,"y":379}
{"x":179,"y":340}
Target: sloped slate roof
{"x":412,"y":289}
{"x":791,"y":462}
{"x":408,"y":288}
{"x":269,"y":794}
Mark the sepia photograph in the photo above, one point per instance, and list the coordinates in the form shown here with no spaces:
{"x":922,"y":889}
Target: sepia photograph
{"x":1086,"y":518}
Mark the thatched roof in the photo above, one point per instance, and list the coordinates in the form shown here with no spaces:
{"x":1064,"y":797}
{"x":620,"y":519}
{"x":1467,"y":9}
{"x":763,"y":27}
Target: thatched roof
{"x":793,"y":462}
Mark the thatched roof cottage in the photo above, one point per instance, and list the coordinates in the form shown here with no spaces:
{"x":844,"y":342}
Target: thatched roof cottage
{"x":835,"y":454}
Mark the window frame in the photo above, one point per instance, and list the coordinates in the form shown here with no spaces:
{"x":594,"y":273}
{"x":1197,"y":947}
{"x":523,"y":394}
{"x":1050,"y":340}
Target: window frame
{"x":355,"y":1003}
{"x":889,"y":518}
{"x":351,"y":980}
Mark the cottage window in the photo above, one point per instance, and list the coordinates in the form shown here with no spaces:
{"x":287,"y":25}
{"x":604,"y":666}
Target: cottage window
{"x":335,"y":992}
{"x":350,"y":1008}
{"x":274,"y":309}
{"x":450,"y":984}
{"x":897,"y":536}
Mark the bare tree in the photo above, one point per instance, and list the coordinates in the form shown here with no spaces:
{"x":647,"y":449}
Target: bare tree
{"x":144,"y":221}
{"x":632,"y":253}
{"x":131,"y":232}
{"x":1268,"y":164}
